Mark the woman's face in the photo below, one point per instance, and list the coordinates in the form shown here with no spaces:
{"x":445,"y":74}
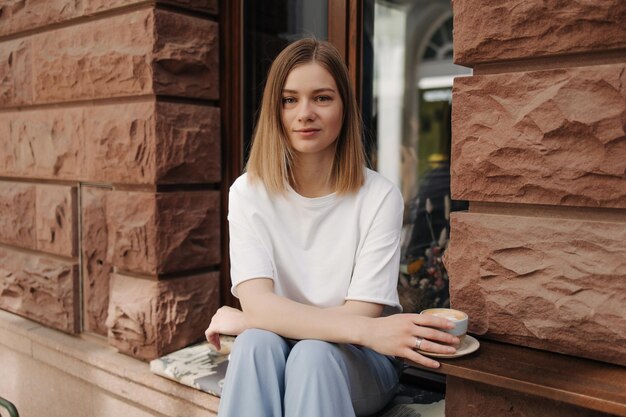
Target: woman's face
{"x":312,"y":110}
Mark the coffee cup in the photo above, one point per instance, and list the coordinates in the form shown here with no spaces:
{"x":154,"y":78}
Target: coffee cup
{"x":459,"y":318}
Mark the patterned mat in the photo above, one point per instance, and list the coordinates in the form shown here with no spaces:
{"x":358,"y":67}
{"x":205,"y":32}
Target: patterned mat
{"x":198,"y":366}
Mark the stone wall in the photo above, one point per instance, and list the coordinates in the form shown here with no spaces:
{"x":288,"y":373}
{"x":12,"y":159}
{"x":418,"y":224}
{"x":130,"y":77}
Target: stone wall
{"x":539,"y":150}
{"x":110,"y":166}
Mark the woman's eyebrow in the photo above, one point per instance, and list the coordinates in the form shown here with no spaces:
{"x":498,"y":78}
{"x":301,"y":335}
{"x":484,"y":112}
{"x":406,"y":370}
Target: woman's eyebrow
{"x":316,"y":91}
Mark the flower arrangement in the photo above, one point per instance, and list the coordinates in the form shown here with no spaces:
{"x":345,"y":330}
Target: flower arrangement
{"x":423,"y":281}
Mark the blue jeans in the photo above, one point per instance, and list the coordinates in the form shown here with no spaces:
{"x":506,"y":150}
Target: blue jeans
{"x":270,"y":376}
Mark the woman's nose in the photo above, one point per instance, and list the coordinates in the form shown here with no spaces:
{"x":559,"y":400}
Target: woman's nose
{"x":306,"y":111}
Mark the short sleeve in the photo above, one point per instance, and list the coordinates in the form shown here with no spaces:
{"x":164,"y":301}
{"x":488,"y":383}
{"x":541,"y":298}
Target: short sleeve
{"x":377,"y":263}
{"x":249,"y":257}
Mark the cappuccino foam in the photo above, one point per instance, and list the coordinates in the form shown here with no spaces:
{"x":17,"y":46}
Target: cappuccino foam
{"x":448,"y":316}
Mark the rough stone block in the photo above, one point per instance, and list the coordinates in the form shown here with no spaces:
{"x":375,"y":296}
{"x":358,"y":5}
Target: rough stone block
{"x":189,"y":230}
{"x":95,"y":266}
{"x":17,"y":214}
{"x":147,"y":51}
{"x":20,"y":15}
{"x":543,"y":137}
{"x":149,"y":318}
{"x":514,"y":29}
{"x":150,"y":143}
{"x":188,"y":143}
{"x":138,"y":143}
{"x":41,"y":217}
{"x":132,"y":232}
{"x":42,"y":143}
{"x":57,"y":219}
{"x":16,"y":73}
{"x":40,"y":288}
{"x":542,"y":282}
{"x":163,"y":232}
{"x":103,"y":58}
{"x":186,"y":56}
{"x":473,"y":399}
{"x":120,"y":143}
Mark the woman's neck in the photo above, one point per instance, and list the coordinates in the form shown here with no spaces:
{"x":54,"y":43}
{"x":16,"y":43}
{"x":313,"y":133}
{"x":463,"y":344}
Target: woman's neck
{"x":311,"y":177}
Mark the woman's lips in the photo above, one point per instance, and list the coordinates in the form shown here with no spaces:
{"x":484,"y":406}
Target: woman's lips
{"x":307,"y":132}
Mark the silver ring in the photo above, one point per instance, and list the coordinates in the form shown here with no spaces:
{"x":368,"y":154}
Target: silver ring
{"x":418,"y":342}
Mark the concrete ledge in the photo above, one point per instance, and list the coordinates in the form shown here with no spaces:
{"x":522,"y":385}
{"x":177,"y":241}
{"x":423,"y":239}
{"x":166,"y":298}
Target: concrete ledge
{"x":86,"y":376}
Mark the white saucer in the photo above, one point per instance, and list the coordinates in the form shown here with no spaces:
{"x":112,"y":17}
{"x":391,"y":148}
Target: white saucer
{"x":468,"y":345}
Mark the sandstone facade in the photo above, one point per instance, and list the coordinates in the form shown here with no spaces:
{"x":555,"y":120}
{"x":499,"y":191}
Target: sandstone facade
{"x":17,"y":214}
{"x":16,"y":84}
{"x":143,"y":142}
{"x":542,"y":282}
{"x":110,"y":125}
{"x":516,"y":29}
{"x":185,"y":56}
{"x":57,"y":220}
{"x":25,"y":15}
{"x":539,"y":150}
{"x":39,"y":217}
{"x":542,"y":137}
{"x":146,"y":51}
{"x":72,"y":63}
{"x":190,"y":149}
{"x":164,"y":232}
{"x":96,"y":268}
{"x":39,"y":287}
{"x":149,"y":318}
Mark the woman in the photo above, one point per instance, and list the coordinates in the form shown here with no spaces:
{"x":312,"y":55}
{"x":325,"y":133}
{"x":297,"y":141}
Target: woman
{"x":314,"y":246}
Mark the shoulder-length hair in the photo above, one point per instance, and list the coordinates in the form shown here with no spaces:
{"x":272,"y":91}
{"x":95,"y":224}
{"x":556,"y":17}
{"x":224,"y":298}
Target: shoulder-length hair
{"x":271,"y":156}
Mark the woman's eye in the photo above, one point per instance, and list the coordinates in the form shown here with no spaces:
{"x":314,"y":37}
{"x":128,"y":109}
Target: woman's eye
{"x":288,"y":100}
{"x":324,"y":98}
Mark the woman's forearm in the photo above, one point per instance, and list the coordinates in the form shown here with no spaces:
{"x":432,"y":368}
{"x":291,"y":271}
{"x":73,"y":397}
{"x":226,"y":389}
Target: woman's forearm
{"x":266,"y":310}
{"x":354,"y":323}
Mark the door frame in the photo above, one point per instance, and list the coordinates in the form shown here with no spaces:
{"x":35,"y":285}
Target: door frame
{"x":345,"y":26}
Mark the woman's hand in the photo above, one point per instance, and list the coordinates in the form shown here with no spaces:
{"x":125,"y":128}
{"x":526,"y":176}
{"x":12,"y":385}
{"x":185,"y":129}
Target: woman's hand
{"x":227,"y":320}
{"x":397,"y":335}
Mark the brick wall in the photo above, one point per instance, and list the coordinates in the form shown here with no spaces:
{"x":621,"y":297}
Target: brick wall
{"x":539,"y":149}
{"x":110,"y":168}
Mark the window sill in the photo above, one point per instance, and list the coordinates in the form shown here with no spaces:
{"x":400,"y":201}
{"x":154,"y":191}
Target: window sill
{"x":583,"y":383}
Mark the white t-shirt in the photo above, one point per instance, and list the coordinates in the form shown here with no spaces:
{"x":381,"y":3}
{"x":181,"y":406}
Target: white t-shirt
{"x":318,"y":251}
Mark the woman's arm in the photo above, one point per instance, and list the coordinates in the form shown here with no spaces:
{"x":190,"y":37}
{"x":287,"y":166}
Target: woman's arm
{"x":360,"y":308}
{"x":354,"y":322}
{"x":231,"y":321}
{"x":393,"y":335}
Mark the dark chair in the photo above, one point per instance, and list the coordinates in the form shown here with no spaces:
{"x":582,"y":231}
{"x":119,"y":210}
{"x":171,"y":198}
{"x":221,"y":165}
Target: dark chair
{"x":10,"y":407}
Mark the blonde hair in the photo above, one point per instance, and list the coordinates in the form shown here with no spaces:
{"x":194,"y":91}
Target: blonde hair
{"x":271,"y":156}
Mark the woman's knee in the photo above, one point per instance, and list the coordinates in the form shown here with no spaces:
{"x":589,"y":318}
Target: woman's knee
{"x":313,"y":355}
{"x":257,"y":340}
